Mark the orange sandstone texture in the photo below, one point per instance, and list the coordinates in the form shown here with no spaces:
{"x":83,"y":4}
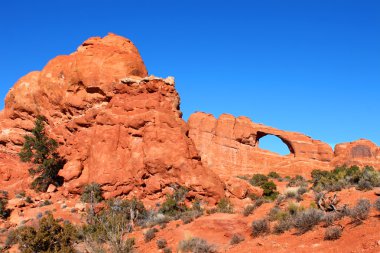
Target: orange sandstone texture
{"x":116,"y":125}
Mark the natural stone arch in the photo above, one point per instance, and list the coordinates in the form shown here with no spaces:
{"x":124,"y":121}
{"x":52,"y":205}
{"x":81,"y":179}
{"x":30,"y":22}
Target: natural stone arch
{"x":260,"y":135}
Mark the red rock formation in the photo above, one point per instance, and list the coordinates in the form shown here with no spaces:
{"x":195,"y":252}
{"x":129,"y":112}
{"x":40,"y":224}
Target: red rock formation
{"x":123,"y":129}
{"x":361,"y":152}
{"x":116,"y":126}
{"x":229,"y":146}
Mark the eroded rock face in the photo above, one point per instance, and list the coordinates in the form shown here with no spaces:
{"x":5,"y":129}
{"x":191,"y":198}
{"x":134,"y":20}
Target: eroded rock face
{"x":116,"y":125}
{"x":229,"y":146}
{"x":361,"y":152}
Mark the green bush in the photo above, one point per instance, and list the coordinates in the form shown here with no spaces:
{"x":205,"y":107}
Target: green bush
{"x":258,"y":180}
{"x":269,"y":187}
{"x":174,"y":204}
{"x":41,"y":151}
{"x":92,"y":193}
{"x":345,"y":177}
{"x":273,"y":174}
{"x":196,"y":245}
{"x":50,"y":236}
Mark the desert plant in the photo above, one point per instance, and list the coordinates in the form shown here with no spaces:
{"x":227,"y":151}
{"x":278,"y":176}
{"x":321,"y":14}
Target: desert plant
{"x":301,"y":191}
{"x":167,"y":250}
{"x":248,"y":210}
{"x":50,"y":236}
{"x":150,"y":234}
{"x":361,"y":211}
{"x":297,"y":181}
{"x":92,"y":193}
{"x":41,"y":150}
{"x":236,"y":239}
{"x":196,"y":245}
{"x":333,"y":233}
{"x":273,"y":174}
{"x":174,"y":203}
{"x":258,"y":180}
{"x":307,"y":219}
{"x":111,"y":226}
{"x":260,"y":227}
{"x":344,"y":177}
{"x":284,"y":224}
{"x":161,"y":243}
{"x":224,"y":206}
{"x":377,"y":204}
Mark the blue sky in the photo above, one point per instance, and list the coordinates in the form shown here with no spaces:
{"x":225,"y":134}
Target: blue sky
{"x":307,"y":66}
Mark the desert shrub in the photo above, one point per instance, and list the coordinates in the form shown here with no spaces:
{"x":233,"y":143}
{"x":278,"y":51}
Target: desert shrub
{"x":344,"y":177}
{"x":174,"y":203}
{"x":167,"y":250}
{"x":190,"y":215}
{"x":307,"y":219}
{"x":4,"y":211}
{"x":161,"y":243}
{"x":291,"y":194}
{"x":269,"y":187}
{"x":41,"y":151}
{"x":92,"y":193}
{"x":236,"y":239}
{"x":369,"y":179}
{"x":258,"y":180}
{"x":46,"y":202}
{"x":333,"y":233}
{"x":224,"y":206}
{"x":297,"y":181}
{"x":301,"y":191}
{"x":196,"y":245}
{"x":28,"y":199}
{"x":112,"y":224}
{"x":50,"y":236}
{"x":20,"y":195}
{"x":248,"y":210}
{"x":329,"y":218}
{"x":270,"y":190}
{"x":260,"y":227}
{"x":150,"y":234}
{"x":361,"y":211}
{"x":283,"y":225}
{"x":273,"y":174}
{"x":377,"y":204}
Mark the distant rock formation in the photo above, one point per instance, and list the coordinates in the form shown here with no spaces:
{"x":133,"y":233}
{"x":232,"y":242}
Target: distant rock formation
{"x":123,"y":129}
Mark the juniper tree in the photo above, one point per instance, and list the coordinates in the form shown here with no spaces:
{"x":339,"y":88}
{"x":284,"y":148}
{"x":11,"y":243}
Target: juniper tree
{"x":41,"y":151}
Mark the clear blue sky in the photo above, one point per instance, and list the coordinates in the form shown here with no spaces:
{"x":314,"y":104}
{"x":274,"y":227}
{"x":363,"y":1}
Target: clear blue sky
{"x":308,"y":66}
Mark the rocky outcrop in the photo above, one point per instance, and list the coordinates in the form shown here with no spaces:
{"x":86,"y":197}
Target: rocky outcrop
{"x":229,"y":146}
{"x":361,"y":152}
{"x":116,"y":125}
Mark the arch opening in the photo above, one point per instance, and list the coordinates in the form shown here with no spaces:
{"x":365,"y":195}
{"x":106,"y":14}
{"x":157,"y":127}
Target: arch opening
{"x":274,"y":143}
